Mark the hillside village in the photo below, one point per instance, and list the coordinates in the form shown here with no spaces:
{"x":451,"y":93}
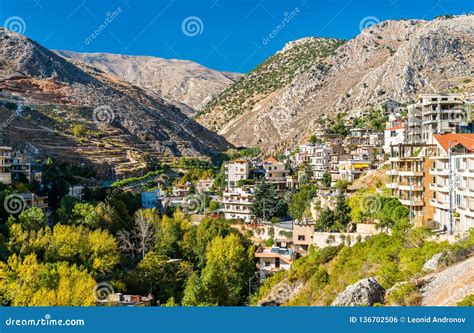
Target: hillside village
{"x":340,"y":175}
{"x":306,"y":197}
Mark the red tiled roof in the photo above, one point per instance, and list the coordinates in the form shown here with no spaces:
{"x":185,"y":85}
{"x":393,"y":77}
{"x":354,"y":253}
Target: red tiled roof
{"x":271,"y":159}
{"x":466,"y":140}
{"x":394,"y":128}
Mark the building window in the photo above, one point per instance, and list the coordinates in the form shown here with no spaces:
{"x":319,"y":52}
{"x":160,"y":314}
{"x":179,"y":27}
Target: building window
{"x":301,"y":237}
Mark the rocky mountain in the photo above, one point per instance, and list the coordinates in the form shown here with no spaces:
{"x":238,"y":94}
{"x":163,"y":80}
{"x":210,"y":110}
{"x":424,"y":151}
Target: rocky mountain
{"x":91,"y":113}
{"x":184,"y":83}
{"x":391,"y":60}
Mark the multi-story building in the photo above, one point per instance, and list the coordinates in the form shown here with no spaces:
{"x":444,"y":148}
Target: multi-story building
{"x":335,"y":158}
{"x":5,"y":165}
{"x":320,"y":161}
{"x":76,"y":191}
{"x":409,"y":179}
{"x":394,"y":135}
{"x":205,"y":185}
{"x":23,"y":163}
{"x":273,"y":259}
{"x":237,"y":203}
{"x":351,"y":170}
{"x":236,"y":171}
{"x":181,"y":190}
{"x":434,"y":114}
{"x":303,"y":233}
{"x":452,"y":182}
{"x":276,"y":173}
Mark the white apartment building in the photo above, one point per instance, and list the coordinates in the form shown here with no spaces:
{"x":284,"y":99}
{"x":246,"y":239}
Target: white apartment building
{"x":434,"y":114}
{"x":237,"y":203}
{"x":453,"y":182}
{"x":5,"y":165}
{"x":394,"y":135}
{"x":235,"y":171}
{"x":320,"y":161}
{"x":350,"y":170}
{"x":276,"y":173}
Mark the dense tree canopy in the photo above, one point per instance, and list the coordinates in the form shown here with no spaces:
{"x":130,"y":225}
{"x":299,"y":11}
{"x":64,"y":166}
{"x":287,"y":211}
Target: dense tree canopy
{"x":266,"y":203}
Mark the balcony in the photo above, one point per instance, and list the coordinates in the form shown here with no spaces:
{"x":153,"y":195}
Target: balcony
{"x":408,"y":187}
{"x":392,"y":185}
{"x":408,"y":202}
{"x":439,"y":172}
{"x":412,"y":173}
{"x":439,"y":187}
{"x":391,"y":172}
{"x":438,"y":203}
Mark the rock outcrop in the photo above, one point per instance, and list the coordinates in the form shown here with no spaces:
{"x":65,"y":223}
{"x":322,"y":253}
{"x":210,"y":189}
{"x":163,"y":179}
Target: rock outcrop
{"x":433,"y":263}
{"x":391,"y":60}
{"x":363,"y":292}
{"x":449,"y":286}
{"x":281,"y":293}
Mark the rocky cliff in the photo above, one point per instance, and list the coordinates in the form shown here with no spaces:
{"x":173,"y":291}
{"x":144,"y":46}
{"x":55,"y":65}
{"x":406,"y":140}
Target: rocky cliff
{"x":391,"y":60}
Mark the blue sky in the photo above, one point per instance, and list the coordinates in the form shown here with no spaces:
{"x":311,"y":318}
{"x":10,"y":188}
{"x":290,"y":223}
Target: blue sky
{"x":230,"y":35}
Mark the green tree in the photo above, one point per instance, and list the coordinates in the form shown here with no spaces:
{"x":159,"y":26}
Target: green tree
{"x":266,"y":203}
{"x":29,"y":283}
{"x":340,"y":128}
{"x":224,"y":279}
{"x":64,"y":212}
{"x":96,"y":250}
{"x":32,"y":218}
{"x":157,"y":275}
{"x":326,"y":180}
{"x":326,"y":220}
{"x":197,"y":239}
{"x":85,"y":214}
{"x":300,"y":200}
{"x":342,"y":210}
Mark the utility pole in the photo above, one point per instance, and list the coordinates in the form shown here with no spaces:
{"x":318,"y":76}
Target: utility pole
{"x":451,"y":190}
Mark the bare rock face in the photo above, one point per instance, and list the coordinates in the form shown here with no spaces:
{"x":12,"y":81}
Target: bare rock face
{"x":281,"y":293}
{"x":433,"y":263}
{"x":362,"y":293}
{"x":183,"y":83}
{"x":391,"y":60}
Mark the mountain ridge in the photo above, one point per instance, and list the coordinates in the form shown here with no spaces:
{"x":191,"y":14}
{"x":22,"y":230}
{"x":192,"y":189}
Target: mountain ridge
{"x":391,"y":60}
{"x":184,"y":83}
{"x":73,"y":92}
